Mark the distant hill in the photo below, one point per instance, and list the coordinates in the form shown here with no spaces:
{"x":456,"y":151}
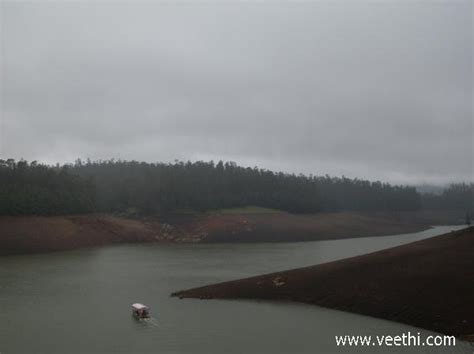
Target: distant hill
{"x":431,"y":188}
{"x":135,"y":188}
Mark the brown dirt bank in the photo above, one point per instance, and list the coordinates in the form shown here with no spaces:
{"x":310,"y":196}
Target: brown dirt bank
{"x":428,"y":284}
{"x":285,"y":227}
{"x":30,"y":234}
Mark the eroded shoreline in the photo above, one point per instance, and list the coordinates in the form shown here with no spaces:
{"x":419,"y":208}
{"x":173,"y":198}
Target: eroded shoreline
{"x":36,"y":234}
{"x":427,"y":284}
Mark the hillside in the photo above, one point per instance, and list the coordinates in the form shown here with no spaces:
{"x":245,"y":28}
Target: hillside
{"x":31,"y":234}
{"x":428,"y":284}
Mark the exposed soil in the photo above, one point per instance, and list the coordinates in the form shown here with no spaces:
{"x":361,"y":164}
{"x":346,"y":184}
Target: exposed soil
{"x":284,"y":227}
{"x":44,"y":234}
{"x":428,"y":284}
{"x":30,"y":234}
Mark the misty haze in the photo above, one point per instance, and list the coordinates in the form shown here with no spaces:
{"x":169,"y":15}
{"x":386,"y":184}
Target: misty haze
{"x":314,"y":159}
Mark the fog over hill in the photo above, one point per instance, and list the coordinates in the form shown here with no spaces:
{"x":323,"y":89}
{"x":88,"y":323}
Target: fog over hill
{"x":133,"y":187}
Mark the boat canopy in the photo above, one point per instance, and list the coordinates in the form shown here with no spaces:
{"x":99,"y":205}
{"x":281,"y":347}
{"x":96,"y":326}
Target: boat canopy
{"x":138,"y":306}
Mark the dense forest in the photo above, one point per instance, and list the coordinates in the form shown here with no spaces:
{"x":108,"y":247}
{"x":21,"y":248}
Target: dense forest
{"x":458,"y":196}
{"x":155,"y":188}
{"x":35,"y":189}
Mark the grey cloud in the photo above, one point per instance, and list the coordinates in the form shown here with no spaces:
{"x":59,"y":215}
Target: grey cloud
{"x":372,"y":90}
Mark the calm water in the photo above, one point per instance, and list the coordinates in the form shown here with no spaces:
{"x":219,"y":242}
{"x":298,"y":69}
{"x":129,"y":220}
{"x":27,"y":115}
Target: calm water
{"x":79,"y":302}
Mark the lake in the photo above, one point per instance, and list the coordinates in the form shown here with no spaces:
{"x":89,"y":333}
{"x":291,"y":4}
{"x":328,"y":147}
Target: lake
{"x":79,"y":301}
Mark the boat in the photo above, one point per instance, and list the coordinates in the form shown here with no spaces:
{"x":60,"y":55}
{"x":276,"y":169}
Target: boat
{"x":140,"y":311}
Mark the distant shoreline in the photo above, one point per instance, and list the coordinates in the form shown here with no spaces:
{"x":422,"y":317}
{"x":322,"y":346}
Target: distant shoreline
{"x":35,"y":234}
{"x":427,"y":284}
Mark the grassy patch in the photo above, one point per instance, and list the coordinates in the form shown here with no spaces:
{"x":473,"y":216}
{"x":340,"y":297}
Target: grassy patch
{"x":247,"y":210}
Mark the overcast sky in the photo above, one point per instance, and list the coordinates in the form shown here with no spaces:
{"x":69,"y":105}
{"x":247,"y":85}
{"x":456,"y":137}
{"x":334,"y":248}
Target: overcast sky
{"x":378,"y":90}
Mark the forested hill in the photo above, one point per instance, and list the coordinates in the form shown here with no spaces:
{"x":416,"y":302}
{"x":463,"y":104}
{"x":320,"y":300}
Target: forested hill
{"x":150,"y":188}
{"x":36,"y":189}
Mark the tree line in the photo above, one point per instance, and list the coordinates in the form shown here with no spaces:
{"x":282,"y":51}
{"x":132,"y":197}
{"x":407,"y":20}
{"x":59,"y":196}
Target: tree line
{"x":35,"y":189}
{"x":132,"y":187}
{"x":458,"y":196}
